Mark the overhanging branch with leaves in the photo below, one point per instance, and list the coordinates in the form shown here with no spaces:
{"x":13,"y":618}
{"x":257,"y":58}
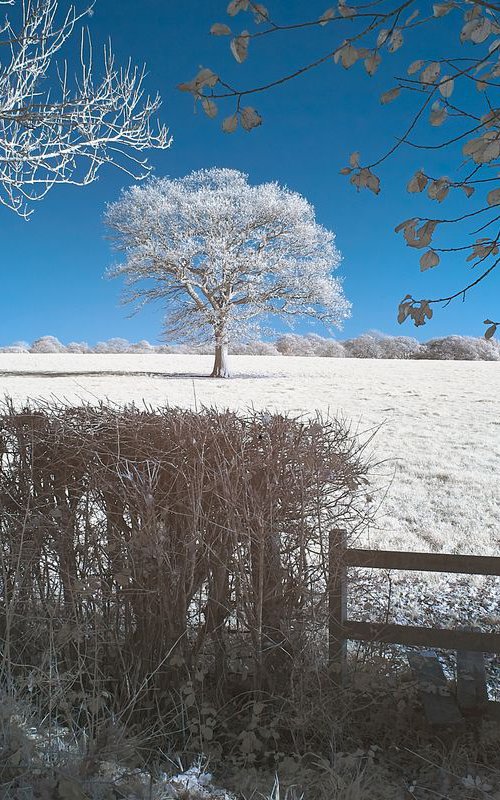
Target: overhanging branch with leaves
{"x":368,"y":34}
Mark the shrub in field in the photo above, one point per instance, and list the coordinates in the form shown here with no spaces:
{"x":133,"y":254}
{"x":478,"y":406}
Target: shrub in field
{"x":141,"y":347}
{"x":291,"y":344}
{"x":326,"y":347}
{"x":78,"y":347}
{"x":116,"y":345}
{"x":399,"y":346}
{"x":460,"y":348}
{"x":364,"y":346}
{"x":16,"y":347}
{"x":47,"y":344}
{"x":165,"y":349}
{"x":390,"y":346}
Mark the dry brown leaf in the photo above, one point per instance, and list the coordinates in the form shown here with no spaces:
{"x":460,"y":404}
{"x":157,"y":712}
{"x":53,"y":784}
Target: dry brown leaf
{"x":239,"y":47}
{"x":428,"y":260}
{"x":390,"y":95}
{"x":219,"y":29}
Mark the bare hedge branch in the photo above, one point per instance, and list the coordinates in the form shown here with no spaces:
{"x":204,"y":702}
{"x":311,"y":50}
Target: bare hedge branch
{"x":141,"y":541}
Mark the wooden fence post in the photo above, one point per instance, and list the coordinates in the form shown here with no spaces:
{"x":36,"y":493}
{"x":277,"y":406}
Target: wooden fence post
{"x":337,"y":603}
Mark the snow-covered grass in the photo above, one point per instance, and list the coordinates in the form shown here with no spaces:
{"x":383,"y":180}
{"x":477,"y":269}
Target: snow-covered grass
{"x":440,"y":431}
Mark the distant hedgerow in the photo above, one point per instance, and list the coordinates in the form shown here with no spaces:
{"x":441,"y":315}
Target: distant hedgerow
{"x":367,"y":345}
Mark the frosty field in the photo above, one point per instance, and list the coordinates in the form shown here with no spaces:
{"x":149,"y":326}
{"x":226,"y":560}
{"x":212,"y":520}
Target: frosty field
{"x":440,"y":431}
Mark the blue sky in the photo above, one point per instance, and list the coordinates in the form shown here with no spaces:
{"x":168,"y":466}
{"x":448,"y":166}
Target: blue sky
{"x":54,"y":264}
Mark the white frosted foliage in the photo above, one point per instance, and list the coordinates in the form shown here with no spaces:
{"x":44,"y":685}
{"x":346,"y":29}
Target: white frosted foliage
{"x":220,"y":254}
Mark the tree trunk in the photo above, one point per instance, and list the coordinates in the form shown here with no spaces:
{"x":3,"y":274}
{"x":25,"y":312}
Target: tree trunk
{"x":221,"y":366}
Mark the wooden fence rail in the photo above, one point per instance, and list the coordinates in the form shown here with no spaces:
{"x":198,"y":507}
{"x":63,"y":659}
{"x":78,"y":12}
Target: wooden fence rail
{"x":341,"y":629}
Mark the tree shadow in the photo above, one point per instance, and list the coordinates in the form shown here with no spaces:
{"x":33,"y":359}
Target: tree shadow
{"x":118,"y":374}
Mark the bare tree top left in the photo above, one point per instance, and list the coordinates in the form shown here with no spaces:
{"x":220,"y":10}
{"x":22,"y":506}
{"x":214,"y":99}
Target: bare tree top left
{"x":56,"y":130}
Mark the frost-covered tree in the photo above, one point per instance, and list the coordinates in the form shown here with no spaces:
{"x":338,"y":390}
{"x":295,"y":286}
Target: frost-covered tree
{"x":78,"y":347}
{"x":47,"y":344}
{"x":165,"y":349}
{"x":220,"y":254}
{"x":143,"y":346}
{"x":399,"y":346}
{"x":292,"y":344}
{"x":364,"y":346}
{"x":326,"y":347}
{"x":450,"y":78}
{"x":52,"y":130}
{"x":115,"y":345}
{"x":391,"y":346}
{"x":16,"y":347}
{"x":459,"y":348}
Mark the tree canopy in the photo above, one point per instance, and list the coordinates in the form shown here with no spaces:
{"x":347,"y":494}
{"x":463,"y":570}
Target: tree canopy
{"x":222,"y":254}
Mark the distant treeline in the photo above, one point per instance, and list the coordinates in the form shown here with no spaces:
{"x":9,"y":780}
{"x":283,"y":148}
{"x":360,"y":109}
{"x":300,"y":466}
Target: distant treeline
{"x":368,"y":345}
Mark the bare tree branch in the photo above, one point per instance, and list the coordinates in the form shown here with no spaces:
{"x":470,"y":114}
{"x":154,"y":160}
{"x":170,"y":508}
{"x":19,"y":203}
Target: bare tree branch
{"x":46,"y":140}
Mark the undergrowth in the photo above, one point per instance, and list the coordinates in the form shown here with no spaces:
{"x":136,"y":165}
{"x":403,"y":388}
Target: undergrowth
{"x":367,"y":740}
